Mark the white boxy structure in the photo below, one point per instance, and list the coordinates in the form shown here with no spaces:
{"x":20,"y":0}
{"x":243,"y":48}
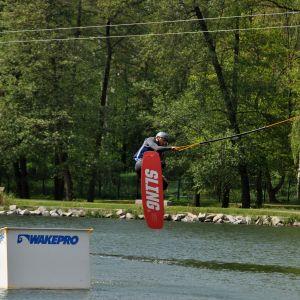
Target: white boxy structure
{"x":44,"y":258}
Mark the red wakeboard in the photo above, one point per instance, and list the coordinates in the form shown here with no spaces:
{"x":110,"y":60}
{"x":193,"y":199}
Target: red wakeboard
{"x":152,"y":190}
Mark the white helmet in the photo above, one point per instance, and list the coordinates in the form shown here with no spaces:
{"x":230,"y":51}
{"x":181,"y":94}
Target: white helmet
{"x":163,"y":135}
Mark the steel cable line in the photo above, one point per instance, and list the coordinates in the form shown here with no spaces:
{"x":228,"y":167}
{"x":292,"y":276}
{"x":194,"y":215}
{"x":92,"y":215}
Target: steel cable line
{"x":147,"y":23}
{"x":148,"y":34}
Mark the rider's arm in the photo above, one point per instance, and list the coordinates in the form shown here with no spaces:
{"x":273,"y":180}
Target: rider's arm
{"x":152,"y":144}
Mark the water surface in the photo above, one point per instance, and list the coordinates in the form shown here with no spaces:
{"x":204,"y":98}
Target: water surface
{"x":182,"y":261}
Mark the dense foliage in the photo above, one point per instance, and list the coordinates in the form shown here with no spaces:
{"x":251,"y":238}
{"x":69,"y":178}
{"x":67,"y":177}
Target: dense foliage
{"x":84,"y":82}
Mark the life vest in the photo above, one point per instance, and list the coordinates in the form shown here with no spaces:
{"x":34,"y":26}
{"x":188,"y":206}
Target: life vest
{"x":140,"y":153}
{"x":148,"y":147}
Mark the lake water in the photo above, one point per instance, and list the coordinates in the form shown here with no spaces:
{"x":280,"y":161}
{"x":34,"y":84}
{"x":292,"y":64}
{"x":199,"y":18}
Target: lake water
{"x":182,"y":261}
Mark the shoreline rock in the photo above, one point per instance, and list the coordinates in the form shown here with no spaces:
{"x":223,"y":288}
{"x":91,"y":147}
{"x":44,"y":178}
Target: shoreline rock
{"x":274,"y":221}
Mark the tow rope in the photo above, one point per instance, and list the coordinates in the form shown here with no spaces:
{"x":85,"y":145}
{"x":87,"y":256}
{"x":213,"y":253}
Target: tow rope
{"x":235,"y":136}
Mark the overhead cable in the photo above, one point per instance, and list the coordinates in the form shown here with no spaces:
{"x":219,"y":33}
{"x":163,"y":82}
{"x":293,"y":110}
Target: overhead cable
{"x":146,"y":34}
{"x":147,"y":23}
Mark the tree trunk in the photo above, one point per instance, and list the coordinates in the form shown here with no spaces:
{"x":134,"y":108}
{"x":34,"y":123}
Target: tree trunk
{"x":65,"y":182}
{"x":225,"y":196}
{"x":219,"y":190}
{"x":21,"y":176}
{"x":18,"y":179}
{"x":24,"y":177}
{"x":92,"y":183}
{"x":100,"y":187}
{"x":229,"y":100}
{"x":58,"y":180}
{"x":124,"y":155}
{"x":197,"y":199}
{"x":68,"y":183}
{"x":8,"y":184}
{"x":124,"y":121}
{"x":218,"y":69}
{"x":44,"y":186}
{"x":259,"y":190}
{"x":58,"y":188}
{"x":246,"y":201}
{"x":100,"y":129}
{"x":272,"y":191}
{"x":78,"y":21}
{"x":63,"y":179}
{"x":298,"y":180}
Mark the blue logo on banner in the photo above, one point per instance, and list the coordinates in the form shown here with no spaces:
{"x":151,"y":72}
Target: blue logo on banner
{"x":41,"y":239}
{"x":1,"y":237}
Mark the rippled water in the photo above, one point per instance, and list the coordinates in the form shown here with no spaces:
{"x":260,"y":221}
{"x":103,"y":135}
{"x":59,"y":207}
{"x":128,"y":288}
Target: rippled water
{"x":182,"y":261}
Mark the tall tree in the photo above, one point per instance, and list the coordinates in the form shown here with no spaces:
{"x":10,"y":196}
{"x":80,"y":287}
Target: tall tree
{"x":230,"y":98}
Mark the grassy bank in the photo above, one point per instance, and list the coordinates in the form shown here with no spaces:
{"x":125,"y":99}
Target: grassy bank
{"x":130,"y":206}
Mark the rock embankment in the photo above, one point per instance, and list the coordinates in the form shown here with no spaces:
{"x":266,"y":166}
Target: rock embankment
{"x":180,"y":217}
{"x":43,"y":211}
